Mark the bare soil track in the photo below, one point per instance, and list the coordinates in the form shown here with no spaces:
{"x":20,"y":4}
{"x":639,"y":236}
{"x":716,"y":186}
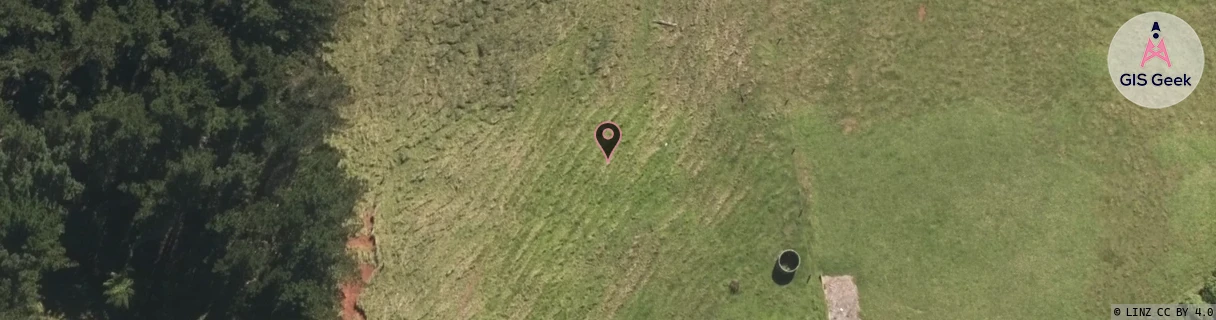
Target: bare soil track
{"x":362,"y":242}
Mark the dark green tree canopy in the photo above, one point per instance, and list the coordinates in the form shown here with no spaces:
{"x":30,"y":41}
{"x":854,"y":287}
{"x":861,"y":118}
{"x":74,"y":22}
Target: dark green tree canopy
{"x":171,"y":152}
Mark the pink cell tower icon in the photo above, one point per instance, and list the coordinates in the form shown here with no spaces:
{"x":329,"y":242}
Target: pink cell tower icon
{"x":1156,"y":51}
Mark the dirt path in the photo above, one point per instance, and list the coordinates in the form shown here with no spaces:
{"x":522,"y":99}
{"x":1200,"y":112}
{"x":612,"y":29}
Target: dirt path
{"x":363,"y":244}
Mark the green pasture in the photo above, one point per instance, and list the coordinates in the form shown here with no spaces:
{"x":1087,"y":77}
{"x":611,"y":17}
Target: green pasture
{"x":978,"y":164}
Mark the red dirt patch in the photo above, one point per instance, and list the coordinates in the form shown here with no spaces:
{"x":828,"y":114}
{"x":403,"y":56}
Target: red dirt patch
{"x":352,"y":288}
{"x":360,"y":243}
{"x":350,"y":299}
{"x":366,"y":271}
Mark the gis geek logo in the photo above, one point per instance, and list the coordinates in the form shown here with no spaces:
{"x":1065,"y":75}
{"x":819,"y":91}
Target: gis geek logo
{"x":1151,"y":77}
{"x":1157,"y":51}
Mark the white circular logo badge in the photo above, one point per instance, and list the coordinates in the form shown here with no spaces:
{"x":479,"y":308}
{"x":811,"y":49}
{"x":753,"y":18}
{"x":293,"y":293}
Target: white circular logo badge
{"x":1155,"y":60}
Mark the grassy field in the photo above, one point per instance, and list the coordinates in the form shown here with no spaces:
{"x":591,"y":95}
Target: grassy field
{"x":976,"y":164}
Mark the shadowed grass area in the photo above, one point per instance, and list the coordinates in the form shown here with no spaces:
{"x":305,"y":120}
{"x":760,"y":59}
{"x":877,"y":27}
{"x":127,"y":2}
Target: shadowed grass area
{"x":978,"y":164}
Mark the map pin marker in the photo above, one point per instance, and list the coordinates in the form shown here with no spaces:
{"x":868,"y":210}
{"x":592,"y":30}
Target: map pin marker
{"x":607,"y":135}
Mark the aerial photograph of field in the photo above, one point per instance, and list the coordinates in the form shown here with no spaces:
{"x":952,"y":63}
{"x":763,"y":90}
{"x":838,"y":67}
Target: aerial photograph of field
{"x":959,"y":159}
{"x":377,"y":159}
